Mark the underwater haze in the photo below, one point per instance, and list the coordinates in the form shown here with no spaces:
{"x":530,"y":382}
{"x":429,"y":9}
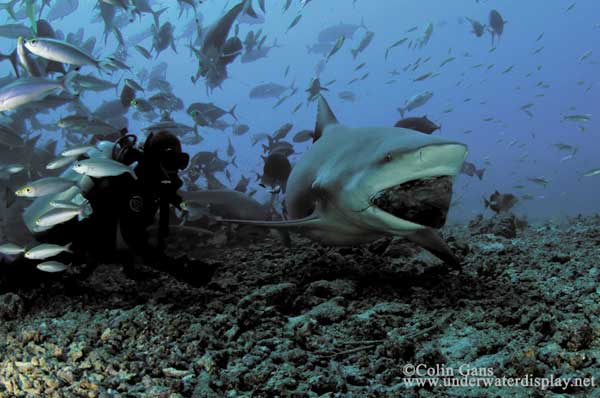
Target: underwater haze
{"x":478,"y":96}
{"x":299,"y":198}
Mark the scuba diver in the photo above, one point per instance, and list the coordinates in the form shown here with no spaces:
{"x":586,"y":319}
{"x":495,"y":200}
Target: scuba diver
{"x":124,"y":207}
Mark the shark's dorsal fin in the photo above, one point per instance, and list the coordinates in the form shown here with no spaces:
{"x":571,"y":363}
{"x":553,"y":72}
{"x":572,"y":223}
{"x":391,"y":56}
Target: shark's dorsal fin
{"x":325,"y":117}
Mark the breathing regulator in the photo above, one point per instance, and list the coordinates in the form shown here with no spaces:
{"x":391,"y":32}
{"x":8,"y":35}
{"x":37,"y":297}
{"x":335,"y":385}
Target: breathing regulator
{"x":163,"y":148}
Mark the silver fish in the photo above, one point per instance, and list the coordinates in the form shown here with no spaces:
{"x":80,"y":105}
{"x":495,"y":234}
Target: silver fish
{"x":26,"y":61}
{"x":24,"y":91}
{"x":57,"y":216}
{"x":60,"y":162}
{"x":62,"y":8}
{"x":133,"y":84}
{"x":10,"y":249}
{"x":60,"y":51}
{"x":13,"y":31}
{"x":46,"y":250}
{"x":593,"y":172}
{"x":52,"y":266}
{"x":76,"y":151}
{"x":45,"y":186}
{"x":99,"y":167}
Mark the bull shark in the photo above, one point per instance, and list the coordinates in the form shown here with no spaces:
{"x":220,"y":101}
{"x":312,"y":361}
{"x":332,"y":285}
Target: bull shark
{"x":356,"y":185}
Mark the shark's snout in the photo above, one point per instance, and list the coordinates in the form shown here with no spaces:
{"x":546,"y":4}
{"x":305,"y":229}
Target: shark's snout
{"x":423,"y":201}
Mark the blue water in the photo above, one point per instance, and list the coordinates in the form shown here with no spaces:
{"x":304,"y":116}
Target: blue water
{"x":505,"y":147}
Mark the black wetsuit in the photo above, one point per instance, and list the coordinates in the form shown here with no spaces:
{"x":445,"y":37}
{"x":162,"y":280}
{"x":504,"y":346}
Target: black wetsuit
{"x":124,"y":205}
{"x":129,"y":206}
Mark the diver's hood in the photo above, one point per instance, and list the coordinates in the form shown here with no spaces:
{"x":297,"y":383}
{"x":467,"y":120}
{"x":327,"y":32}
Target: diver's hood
{"x":165,"y":148}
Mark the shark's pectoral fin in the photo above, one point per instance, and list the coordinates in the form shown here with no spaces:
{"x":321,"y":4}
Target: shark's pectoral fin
{"x":307,"y":222}
{"x":429,"y":239}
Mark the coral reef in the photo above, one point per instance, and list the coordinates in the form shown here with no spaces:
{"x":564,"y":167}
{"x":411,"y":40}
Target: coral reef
{"x":313,"y":321}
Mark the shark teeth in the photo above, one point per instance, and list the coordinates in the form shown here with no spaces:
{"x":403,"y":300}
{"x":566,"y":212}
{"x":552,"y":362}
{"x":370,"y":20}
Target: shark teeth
{"x":423,"y":201}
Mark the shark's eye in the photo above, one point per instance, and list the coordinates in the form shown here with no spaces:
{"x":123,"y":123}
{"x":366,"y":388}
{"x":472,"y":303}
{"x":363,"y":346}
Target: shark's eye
{"x":33,"y":41}
{"x":388,"y":157}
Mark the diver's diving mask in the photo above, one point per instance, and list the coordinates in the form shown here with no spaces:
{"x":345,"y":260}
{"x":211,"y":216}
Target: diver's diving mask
{"x":173,"y":160}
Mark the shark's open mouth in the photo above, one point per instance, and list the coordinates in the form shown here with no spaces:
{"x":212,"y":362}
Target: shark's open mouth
{"x":424,"y":201}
